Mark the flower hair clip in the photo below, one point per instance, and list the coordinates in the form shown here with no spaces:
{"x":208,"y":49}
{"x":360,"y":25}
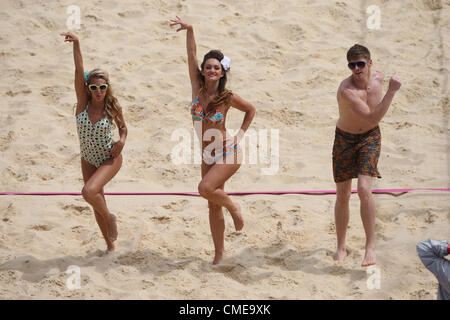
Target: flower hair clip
{"x":226,"y":63}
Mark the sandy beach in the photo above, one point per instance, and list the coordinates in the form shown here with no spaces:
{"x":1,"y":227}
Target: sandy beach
{"x":288,"y":59}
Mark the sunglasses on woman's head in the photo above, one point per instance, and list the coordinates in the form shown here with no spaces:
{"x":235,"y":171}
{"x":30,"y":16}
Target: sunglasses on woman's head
{"x":360,"y":64}
{"x":94,"y":87}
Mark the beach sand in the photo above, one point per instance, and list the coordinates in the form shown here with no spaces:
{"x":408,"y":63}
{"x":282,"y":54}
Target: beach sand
{"x":288,"y":58}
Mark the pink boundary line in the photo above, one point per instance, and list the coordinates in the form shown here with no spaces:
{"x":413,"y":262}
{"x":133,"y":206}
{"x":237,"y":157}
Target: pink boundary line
{"x":310,"y":192}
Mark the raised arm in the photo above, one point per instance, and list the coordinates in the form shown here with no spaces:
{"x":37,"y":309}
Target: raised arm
{"x":245,"y":106}
{"x":361,"y":108}
{"x":191,"y":53}
{"x":80,"y":88}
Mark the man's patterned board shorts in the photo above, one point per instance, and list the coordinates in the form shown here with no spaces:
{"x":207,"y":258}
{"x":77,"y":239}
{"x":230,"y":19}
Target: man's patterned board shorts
{"x":355,"y":154}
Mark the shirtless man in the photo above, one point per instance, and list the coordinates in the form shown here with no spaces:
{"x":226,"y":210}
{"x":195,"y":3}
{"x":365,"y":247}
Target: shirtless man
{"x":357,"y":145}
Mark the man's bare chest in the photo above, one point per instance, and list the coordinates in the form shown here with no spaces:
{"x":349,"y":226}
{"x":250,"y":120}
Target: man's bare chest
{"x":371,"y":95}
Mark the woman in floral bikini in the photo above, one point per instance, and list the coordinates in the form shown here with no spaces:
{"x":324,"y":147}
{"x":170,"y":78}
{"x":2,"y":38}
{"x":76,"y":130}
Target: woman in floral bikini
{"x":222,"y":157}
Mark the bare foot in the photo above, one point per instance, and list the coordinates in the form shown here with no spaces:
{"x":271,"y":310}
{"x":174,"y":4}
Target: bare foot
{"x":110,"y":246}
{"x":237,"y":217}
{"x":341,"y":254}
{"x":369,"y":258}
{"x":112,"y":232}
{"x":218,"y":257}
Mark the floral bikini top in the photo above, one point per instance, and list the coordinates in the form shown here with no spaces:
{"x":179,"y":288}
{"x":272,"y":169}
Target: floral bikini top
{"x":214,"y":116}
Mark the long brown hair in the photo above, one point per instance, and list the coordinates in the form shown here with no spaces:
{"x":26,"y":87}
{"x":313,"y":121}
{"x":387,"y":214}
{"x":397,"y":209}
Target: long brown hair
{"x":112,"y":108}
{"x":224,"y":94}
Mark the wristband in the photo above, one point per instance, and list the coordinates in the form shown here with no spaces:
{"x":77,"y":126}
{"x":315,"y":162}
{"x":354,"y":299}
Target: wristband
{"x":448,"y":249}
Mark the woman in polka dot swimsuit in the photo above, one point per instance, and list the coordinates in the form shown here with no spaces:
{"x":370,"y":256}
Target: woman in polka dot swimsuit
{"x":96,"y":112}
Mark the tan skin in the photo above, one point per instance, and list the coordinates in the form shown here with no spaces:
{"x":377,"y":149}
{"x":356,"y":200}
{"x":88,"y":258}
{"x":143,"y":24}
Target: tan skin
{"x":215,"y":175}
{"x":96,"y":178}
{"x":361,"y":108}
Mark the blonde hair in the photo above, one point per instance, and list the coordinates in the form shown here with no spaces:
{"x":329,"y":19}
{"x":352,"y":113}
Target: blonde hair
{"x":112,"y":108}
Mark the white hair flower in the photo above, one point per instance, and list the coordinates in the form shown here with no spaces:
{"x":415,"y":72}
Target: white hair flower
{"x":226,"y":63}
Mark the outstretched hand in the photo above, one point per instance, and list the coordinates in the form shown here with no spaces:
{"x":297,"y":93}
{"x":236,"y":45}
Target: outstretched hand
{"x":183,"y":25}
{"x":69,"y":37}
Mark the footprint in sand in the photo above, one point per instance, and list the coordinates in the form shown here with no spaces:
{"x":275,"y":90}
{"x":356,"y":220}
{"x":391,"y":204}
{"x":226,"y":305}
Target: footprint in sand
{"x":16,"y":174}
{"x":15,"y":93}
{"x":78,"y":210}
{"x":77,"y":229}
{"x":176,"y":205}
{"x":131,"y":14}
{"x":41,"y":227}
{"x":92,"y":17}
{"x":161,"y":219}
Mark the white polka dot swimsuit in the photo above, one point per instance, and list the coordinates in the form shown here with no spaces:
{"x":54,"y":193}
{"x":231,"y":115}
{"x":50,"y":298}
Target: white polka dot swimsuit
{"x":95,"y":140}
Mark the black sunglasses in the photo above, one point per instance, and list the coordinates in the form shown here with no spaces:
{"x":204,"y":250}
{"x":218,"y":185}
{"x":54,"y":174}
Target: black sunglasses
{"x":360,"y":64}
